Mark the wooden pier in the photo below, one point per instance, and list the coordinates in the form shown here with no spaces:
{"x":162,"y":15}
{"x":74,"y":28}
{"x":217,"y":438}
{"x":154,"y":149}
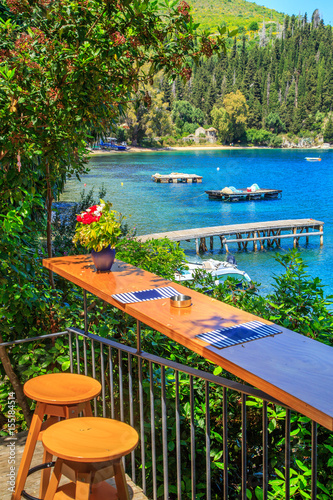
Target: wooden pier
{"x":176,"y":177}
{"x":245,"y":195}
{"x":258,"y":233}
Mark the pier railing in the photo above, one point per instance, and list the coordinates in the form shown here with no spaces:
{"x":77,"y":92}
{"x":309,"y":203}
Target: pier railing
{"x":201,"y":435}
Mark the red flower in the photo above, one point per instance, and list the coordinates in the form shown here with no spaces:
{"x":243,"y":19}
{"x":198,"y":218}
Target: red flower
{"x":78,"y":218}
{"x":87,"y":218}
{"x":92,"y":209}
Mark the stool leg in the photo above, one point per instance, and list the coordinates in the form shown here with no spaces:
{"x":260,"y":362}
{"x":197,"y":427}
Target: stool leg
{"x":36,"y":424}
{"x":120,"y":479}
{"x":83,"y":484}
{"x":45,"y":477}
{"x":87,"y":412}
{"x":54,"y":481}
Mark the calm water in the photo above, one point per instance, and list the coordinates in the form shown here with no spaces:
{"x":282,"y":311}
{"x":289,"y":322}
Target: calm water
{"x":307,"y":193}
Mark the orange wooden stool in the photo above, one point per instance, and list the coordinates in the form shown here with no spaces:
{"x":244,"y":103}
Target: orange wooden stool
{"x":89,"y":450}
{"x":58,"y":395}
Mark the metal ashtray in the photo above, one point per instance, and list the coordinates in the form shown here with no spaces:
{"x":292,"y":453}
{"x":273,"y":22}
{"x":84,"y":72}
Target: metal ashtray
{"x":180,"y":300}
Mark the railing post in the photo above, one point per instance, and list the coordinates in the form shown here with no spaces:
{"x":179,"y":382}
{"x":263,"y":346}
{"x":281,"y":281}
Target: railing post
{"x":142,"y":427}
{"x":164,"y":435}
{"x":208,"y":465}
{"x":85,"y":309}
{"x":264,"y":451}
{"x":138,"y":336}
{"x":178,"y":451}
{"x":313,"y":460}
{"x":244,"y":451}
{"x":152,"y":427}
{"x":193,"y":478}
{"x":70,"y":351}
{"x":225,"y":443}
{"x":287,"y":455}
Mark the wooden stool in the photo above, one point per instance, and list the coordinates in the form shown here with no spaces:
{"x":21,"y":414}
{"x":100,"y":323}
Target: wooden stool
{"x":58,"y":395}
{"x":89,"y":450}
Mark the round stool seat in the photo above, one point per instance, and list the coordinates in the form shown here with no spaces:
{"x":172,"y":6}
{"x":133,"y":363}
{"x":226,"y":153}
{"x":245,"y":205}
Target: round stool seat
{"x":90,"y":439}
{"x":62,"y":388}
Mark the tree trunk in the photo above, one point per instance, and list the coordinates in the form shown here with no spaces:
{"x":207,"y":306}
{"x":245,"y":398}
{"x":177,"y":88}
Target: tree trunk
{"x":49,"y":200}
{"x":16,"y":384}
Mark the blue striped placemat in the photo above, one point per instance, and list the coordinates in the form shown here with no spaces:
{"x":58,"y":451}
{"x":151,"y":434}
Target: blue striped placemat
{"x":144,"y":295}
{"x":232,"y":335}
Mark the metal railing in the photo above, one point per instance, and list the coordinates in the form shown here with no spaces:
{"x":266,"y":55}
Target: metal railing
{"x":201,"y":435}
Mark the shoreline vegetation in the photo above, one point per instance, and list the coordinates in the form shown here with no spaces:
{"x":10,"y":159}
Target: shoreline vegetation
{"x":141,"y":149}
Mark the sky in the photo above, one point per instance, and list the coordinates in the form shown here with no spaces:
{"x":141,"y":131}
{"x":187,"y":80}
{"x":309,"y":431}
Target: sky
{"x":301,"y":6}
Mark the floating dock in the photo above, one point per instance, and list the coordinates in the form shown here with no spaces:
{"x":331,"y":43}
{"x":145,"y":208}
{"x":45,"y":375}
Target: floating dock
{"x":258,"y":233}
{"x":176,"y":177}
{"x":244,"y":195}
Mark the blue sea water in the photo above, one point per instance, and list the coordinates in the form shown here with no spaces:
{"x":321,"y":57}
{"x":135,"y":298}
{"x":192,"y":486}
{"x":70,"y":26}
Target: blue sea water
{"x":307,"y":193}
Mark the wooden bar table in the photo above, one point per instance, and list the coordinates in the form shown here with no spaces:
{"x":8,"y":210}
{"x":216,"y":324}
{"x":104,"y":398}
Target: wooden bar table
{"x":295,"y":369}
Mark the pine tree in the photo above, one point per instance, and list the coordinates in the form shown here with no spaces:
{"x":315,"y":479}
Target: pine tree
{"x":328,"y":130}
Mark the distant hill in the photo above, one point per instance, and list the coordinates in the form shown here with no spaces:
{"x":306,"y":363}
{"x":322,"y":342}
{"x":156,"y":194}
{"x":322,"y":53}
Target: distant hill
{"x":235,"y":13}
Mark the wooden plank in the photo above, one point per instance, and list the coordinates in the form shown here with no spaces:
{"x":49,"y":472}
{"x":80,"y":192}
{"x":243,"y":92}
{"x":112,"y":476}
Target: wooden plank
{"x":293,"y":368}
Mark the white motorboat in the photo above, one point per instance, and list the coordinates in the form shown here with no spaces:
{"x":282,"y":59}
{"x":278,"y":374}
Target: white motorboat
{"x":312,"y":159}
{"x":218,"y":269}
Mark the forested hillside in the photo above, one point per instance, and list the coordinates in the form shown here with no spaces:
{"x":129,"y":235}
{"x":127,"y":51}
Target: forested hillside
{"x":276,"y":89}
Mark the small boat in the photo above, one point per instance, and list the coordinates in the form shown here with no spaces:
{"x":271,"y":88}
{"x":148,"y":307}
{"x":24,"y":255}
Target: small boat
{"x":177,"y":177}
{"x":312,"y":159}
{"x":221,"y":270}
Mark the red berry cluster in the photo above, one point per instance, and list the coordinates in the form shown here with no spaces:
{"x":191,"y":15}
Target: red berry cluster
{"x":40,"y":36}
{"x":24,"y":42}
{"x":53,"y":94}
{"x":183,"y":9}
{"x":18,"y":6}
{"x":4,"y":54}
{"x":117,"y":38}
{"x":207,"y":48}
{"x":186,"y":73}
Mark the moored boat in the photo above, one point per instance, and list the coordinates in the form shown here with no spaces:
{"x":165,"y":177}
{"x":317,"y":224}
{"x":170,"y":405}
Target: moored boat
{"x":221,"y":270}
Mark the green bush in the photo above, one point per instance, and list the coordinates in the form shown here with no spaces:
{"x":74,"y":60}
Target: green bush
{"x":260,"y":137}
{"x":275,"y":141}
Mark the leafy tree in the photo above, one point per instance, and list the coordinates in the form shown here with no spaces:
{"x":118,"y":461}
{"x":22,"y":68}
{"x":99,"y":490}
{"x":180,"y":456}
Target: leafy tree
{"x":220,"y":122}
{"x":273,"y":122}
{"x":69,"y":68}
{"x":254,"y":26}
{"x":157,"y":120}
{"x":230,"y":120}
{"x":184,"y":113}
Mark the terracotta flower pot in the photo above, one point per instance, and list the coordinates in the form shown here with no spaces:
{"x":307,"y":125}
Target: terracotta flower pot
{"x":104,"y":259}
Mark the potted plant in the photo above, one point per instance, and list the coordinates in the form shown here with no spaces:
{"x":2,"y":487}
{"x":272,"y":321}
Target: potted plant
{"x":98,"y":229}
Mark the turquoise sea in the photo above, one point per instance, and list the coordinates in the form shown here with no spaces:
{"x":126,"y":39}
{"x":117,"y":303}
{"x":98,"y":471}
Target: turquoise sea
{"x":307,"y":193}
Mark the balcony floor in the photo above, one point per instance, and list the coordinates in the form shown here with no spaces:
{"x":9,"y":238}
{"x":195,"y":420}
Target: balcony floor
{"x":32,"y":484}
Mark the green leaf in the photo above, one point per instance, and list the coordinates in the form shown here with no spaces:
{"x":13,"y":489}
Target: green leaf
{"x":218,"y":370}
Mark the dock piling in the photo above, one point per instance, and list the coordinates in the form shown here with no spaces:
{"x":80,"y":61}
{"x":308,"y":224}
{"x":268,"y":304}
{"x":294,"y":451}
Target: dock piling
{"x":255,"y":246}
